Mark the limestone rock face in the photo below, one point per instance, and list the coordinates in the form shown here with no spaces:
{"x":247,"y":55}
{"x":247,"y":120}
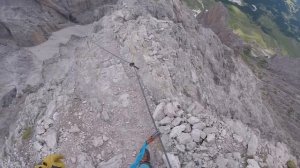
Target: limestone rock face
{"x":69,"y":95}
{"x":31,"y":22}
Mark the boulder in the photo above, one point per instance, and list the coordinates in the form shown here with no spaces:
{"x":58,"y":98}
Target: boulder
{"x":237,"y":138}
{"x":236,"y":156}
{"x":165,"y":121}
{"x":164,"y":129}
{"x":193,"y":120}
{"x":252,"y":145}
{"x":97,"y":141}
{"x":170,"y":110}
{"x":180,"y":147}
{"x":51,"y":139}
{"x":252,"y":164}
{"x":196,"y":135}
{"x":37,"y":146}
{"x":221,"y":162}
{"x":199,"y":126}
{"x":191,"y":146}
{"x":158,"y":113}
{"x":74,"y":129}
{"x":184,"y":138}
{"x":210,"y":138}
{"x":177,"y":130}
{"x":40,"y":130}
{"x":176,"y":121}
{"x":188,"y":128}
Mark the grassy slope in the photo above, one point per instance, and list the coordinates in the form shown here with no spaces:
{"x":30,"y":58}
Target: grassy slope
{"x":252,"y":32}
{"x":287,"y":45}
{"x":248,"y":30}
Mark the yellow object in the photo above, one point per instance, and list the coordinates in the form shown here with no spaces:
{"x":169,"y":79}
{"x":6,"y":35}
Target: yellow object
{"x":52,"y":161}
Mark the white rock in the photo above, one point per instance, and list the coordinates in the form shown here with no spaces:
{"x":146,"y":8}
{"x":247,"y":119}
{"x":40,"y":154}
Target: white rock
{"x":99,"y":156}
{"x":193,"y":120}
{"x":191,"y":108}
{"x":83,"y":160}
{"x":252,"y":164}
{"x":114,"y":162}
{"x":176,"y":121}
{"x":165,"y":121}
{"x":188,"y":128}
{"x":47,"y":123}
{"x":210,"y":130}
{"x":223,"y":133}
{"x":191,"y":146}
{"x":233,"y":163}
{"x":190,"y":164}
{"x":105,"y":138}
{"x":236,"y":156}
{"x":37,"y":146}
{"x":73,"y":160}
{"x":180,"y":147}
{"x":199,"y":126}
{"x":221,"y":162}
{"x":252,"y":145}
{"x":179,"y":113}
{"x":158,"y":114}
{"x":176,"y":105}
{"x":164,"y":129}
{"x":202,"y":134}
{"x":237,"y":138}
{"x":177,"y":130}
{"x":210,"y":138}
{"x":40,"y":130}
{"x":169,"y":110}
{"x":174,"y":160}
{"x":97,"y":141}
{"x":198,"y":109}
{"x":51,"y":139}
{"x":270,"y":160}
{"x":196,"y":135}
{"x":184,"y":138}
{"x":74,"y":129}
{"x":105,"y":115}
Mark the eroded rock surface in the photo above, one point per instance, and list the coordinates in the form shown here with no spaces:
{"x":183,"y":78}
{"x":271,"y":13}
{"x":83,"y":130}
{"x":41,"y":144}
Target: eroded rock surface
{"x":72,"y":97}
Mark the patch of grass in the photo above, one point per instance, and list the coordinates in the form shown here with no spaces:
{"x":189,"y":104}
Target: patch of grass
{"x":194,"y":4}
{"x":199,"y":4}
{"x":27,"y":132}
{"x":291,"y":164}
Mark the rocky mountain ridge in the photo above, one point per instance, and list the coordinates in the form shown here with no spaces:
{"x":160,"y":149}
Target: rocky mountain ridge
{"x":71,"y":97}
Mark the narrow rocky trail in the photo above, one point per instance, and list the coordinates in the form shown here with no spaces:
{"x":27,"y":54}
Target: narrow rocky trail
{"x":83,"y":102}
{"x":107,"y":116}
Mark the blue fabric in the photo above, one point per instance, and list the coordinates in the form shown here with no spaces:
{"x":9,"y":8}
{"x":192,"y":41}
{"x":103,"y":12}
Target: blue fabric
{"x":144,"y":166}
{"x":139,"y":157}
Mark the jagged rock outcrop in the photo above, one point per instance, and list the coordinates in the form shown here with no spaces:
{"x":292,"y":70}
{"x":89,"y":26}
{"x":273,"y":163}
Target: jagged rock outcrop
{"x":30,"y":22}
{"x":85,"y":103}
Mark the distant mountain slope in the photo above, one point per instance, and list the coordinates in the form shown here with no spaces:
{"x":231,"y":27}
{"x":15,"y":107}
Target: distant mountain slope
{"x":273,"y":26}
